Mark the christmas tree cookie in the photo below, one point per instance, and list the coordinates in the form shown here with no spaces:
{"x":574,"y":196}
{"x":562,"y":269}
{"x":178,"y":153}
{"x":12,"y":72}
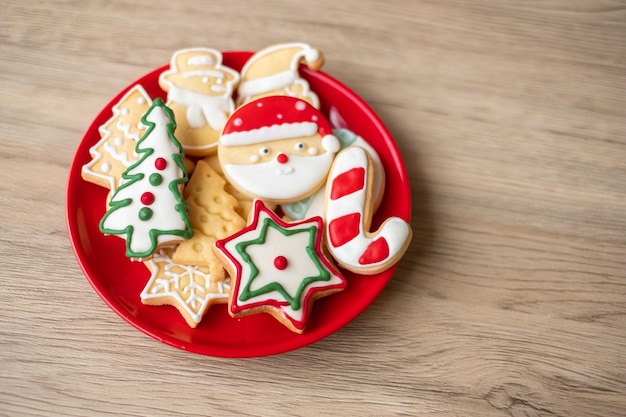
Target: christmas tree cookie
{"x":115,"y":151}
{"x":212,"y":215}
{"x":278,"y":268}
{"x":147,"y":208}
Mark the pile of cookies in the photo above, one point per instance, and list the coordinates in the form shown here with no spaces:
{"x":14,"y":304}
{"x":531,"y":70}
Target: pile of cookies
{"x":238,"y":190}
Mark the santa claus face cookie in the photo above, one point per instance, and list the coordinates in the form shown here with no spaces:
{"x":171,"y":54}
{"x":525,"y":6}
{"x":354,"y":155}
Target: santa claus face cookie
{"x":277,"y":149}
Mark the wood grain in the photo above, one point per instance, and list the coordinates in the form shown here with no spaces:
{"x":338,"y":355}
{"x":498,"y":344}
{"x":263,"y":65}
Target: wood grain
{"x":511,"y":300}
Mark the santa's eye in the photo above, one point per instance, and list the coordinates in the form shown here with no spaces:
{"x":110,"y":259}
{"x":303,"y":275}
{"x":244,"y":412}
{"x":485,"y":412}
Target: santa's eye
{"x":299,"y":146}
{"x":264,"y":151}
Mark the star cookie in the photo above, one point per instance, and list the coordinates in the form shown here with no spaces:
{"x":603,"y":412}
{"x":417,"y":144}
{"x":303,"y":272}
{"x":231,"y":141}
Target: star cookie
{"x":188,"y":288}
{"x":278,"y":268}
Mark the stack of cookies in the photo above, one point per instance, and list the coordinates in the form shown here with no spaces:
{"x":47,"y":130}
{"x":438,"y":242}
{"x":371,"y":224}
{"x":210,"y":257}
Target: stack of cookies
{"x":237,"y":190}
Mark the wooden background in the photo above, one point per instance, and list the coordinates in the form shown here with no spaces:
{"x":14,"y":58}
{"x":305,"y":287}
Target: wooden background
{"x":511,"y":300}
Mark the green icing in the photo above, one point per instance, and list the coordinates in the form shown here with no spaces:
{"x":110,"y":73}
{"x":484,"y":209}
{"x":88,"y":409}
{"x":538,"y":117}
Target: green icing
{"x":145,"y":213}
{"x":155,"y":179}
{"x":294,"y":300}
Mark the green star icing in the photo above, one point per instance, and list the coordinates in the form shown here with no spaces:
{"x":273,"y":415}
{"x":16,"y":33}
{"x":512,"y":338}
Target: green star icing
{"x":294,"y":300}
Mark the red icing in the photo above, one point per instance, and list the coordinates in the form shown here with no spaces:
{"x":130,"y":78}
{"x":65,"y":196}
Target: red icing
{"x":282,"y":158}
{"x":377,"y":251}
{"x":147,"y":198}
{"x":348,"y":182}
{"x":160,"y":164}
{"x":343,"y":229}
{"x":280,"y":262}
{"x":270,"y":110}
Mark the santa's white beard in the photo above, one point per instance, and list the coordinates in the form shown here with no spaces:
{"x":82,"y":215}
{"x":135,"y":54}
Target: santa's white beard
{"x":283,"y":183}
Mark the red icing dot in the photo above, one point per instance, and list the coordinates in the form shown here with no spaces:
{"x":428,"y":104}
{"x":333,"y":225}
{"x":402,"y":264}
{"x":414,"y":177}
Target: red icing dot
{"x":280,"y":262}
{"x":282,"y":158}
{"x":147,"y":198}
{"x":160,"y":164}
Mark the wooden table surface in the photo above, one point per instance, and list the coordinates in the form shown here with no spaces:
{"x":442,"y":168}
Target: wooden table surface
{"x":511,"y":299}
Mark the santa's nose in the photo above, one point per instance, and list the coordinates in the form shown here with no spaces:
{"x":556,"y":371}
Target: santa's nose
{"x":282,"y":158}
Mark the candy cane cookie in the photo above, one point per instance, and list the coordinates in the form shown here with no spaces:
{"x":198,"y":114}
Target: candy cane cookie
{"x":348,"y":215}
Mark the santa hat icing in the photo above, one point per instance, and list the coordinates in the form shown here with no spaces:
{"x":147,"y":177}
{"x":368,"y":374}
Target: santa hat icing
{"x":274,"y":118}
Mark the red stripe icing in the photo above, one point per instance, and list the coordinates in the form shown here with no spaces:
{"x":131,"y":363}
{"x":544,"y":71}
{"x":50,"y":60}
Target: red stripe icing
{"x":343,"y":229}
{"x":377,"y":251}
{"x":348,"y":182}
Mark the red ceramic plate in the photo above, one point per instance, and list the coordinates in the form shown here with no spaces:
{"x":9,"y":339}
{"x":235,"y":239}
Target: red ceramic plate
{"x":119,"y":282}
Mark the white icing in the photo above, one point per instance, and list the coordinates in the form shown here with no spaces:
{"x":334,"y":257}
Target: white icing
{"x":219,"y":88}
{"x":281,"y":182}
{"x":201,"y":60}
{"x":105,"y":167}
{"x":291,"y":248}
{"x":169,"y":285}
{"x":204,"y":73}
{"x":268,"y":133}
{"x":273,"y":82}
{"x":330,"y":143}
{"x":202,"y":108}
{"x":300,"y":105}
{"x":118,"y":141}
{"x":125,"y":128}
{"x":165,"y":216}
{"x":394,"y":230}
{"x":118,"y":156}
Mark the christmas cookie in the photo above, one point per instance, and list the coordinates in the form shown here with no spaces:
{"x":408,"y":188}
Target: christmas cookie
{"x":115,"y":151}
{"x":278,"y":149}
{"x":314,"y":205}
{"x":273,"y":71}
{"x":244,"y":208}
{"x":199,"y":91}
{"x":148,"y":209}
{"x":348,"y":217}
{"x":188,"y":288}
{"x":212,"y":215}
{"x":278,"y":268}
